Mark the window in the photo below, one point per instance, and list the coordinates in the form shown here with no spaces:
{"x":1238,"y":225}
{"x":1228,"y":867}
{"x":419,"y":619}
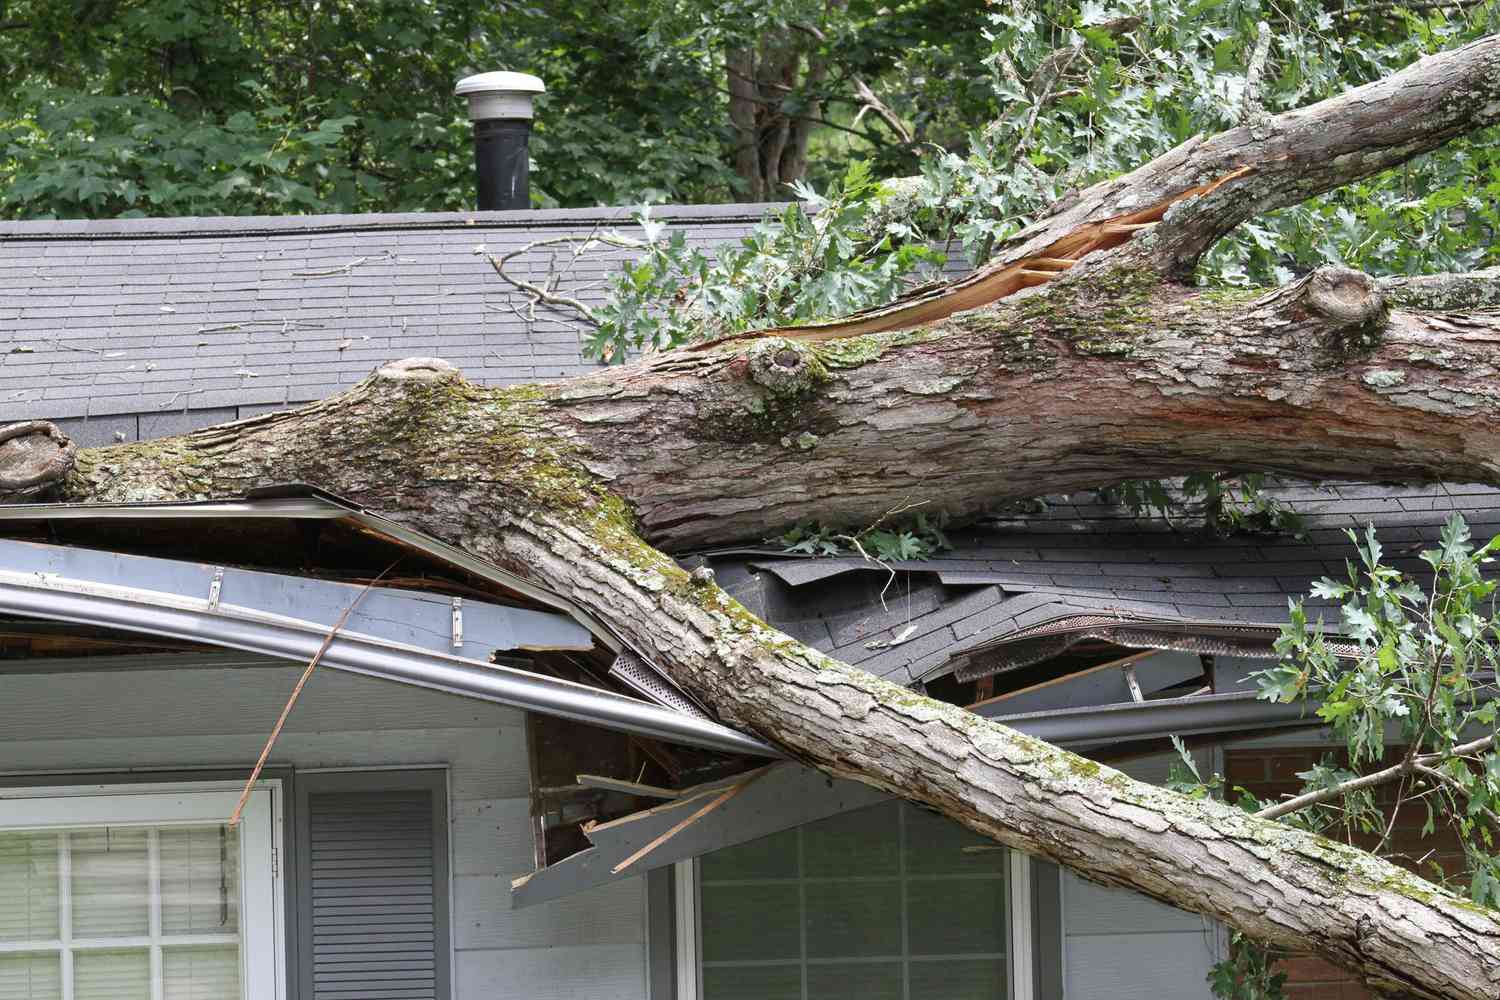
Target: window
{"x":885,"y":903}
{"x":139,"y":892}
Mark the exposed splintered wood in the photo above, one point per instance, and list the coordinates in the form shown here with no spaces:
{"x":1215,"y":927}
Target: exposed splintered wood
{"x":607,"y":784}
{"x":1107,"y":369}
{"x":687,"y":821}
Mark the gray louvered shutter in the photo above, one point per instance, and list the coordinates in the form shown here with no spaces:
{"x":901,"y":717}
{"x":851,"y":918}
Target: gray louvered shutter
{"x":371,"y":861}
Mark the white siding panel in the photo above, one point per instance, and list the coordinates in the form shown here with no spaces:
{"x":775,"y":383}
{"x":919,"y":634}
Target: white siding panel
{"x":49,"y":706}
{"x":1138,"y":967}
{"x":605,"y":972}
{"x":608,"y":914}
{"x":1093,"y":909}
{"x":493,"y":837}
{"x":484,"y":763}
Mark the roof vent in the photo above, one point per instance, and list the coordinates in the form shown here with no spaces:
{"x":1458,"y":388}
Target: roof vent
{"x":500,"y":108}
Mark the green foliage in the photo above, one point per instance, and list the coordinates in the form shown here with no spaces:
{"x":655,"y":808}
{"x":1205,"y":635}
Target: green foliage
{"x":1091,"y":90}
{"x":919,"y":538}
{"x":1227,"y":503}
{"x":1418,"y":651}
{"x":805,"y":264}
{"x":79,"y":155}
{"x":635,"y":110}
{"x":1422,"y":676}
{"x":1248,"y":974}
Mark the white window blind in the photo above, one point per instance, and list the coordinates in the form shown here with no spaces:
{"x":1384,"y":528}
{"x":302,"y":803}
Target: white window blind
{"x":885,"y":903}
{"x":100,"y":902}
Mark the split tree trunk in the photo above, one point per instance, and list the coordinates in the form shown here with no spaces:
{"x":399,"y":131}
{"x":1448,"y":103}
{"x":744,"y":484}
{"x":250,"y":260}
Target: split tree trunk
{"x":1106,"y":369}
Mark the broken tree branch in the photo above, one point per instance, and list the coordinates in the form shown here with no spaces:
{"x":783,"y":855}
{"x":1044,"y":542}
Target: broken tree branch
{"x":1252,"y":111}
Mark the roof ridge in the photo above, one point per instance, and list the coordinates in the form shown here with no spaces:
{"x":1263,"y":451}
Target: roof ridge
{"x":221,"y":226}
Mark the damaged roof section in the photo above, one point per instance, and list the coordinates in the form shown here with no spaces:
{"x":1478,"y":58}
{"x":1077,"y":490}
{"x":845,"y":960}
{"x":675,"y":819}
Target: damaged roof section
{"x":459,"y":625}
{"x":1017,"y":591}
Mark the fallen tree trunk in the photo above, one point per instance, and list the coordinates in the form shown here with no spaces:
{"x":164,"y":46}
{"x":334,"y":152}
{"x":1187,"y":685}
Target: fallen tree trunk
{"x":1103,"y":370}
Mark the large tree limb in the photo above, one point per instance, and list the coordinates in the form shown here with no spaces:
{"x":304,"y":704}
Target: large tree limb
{"x":1100,"y":369}
{"x":482,"y":468}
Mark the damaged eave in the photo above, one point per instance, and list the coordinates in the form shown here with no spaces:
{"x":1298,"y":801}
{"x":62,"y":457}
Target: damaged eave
{"x":404,"y":636}
{"x":297,"y":501}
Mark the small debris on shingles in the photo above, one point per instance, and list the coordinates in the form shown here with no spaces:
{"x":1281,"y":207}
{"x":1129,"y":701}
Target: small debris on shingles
{"x":904,"y":635}
{"x":246,"y":373}
{"x":168,"y":309}
{"x":346,"y":343}
{"x":23,"y":349}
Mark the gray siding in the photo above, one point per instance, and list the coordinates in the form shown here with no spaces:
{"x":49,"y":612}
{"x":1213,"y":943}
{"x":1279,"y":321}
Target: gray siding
{"x":586,"y":948}
{"x":1119,"y":945}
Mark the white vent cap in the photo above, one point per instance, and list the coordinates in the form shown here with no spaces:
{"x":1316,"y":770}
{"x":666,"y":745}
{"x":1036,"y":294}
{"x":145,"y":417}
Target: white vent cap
{"x":499,"y":95}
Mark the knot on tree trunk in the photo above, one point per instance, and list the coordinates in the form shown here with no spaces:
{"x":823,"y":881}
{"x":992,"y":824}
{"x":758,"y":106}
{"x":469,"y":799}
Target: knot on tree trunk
{"x":1346,"y":305}
{"x":786,"y":367}
{"x":417,"y":370}
{"x":34,"y":456}
{"x":1344,"y":297}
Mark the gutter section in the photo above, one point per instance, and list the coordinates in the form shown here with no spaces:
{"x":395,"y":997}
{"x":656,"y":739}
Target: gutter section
{"x":113,"y":605}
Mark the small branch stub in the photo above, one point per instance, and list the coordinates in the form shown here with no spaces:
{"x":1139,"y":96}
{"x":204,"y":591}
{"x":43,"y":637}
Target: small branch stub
{"x":417,"y":370}
{"x":34,"y":456}
{"x":786,"y":367}
{"x":1344,"y":297}
{"x":1349,"y":304}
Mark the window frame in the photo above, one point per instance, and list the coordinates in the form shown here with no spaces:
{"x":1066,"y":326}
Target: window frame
{"x":157,"y":804}
{"x":1021,"y":940}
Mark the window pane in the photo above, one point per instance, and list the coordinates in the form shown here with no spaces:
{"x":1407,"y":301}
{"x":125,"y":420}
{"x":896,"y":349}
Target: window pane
{"x":30,"y":977}
{"x":754,"y":982}
{"x":769,"y":857}
{"x":751,"y":922}
{"x":859,"y":843}
{"x":968,"y":979}
{"x":28,"y":887}
{"x":852,"y":919}
{"x":199,"y":883}
{"x":112,"y":975}
{"x":110,"y":894}
{"x":936,"y":845}
{"x":883,"y":892}
{"x":844,"y":981}
{"x":201,"y":973}
{"x":956,"y":916}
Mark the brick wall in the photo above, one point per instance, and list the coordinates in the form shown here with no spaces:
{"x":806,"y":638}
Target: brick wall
{"x":1271,"y":775}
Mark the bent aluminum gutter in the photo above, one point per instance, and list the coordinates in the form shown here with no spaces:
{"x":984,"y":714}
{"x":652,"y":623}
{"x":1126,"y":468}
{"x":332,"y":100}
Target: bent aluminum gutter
{"x":1205,"y":713}
{"x":316,"y":506}
{"x":132,"y":609}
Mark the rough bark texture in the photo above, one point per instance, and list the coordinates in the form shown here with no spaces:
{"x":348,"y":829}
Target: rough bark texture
{"x":1107,"y":371}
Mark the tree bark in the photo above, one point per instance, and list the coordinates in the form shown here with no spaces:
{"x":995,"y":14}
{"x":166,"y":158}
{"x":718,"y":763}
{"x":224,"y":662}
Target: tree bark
{"x":1078,"y":375}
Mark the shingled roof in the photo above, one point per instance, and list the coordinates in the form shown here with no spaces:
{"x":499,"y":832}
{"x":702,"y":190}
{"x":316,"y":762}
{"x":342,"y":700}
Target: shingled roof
{"x":143,"y":328}
{"x":1017,"y":590}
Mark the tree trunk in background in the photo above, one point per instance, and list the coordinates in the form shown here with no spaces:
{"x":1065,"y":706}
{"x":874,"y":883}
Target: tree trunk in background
{"x":773,"y":112}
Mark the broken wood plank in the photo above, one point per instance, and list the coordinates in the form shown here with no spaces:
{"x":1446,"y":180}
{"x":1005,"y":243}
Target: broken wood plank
{"x":628,"y":787}
{"x":714,"y":803}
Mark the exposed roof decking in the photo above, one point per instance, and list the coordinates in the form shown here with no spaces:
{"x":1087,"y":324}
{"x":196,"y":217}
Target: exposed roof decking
{"x":1080,"y":558}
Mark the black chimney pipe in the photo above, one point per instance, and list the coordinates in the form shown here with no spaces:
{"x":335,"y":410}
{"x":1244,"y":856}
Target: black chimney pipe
{"x":500,"y":109}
